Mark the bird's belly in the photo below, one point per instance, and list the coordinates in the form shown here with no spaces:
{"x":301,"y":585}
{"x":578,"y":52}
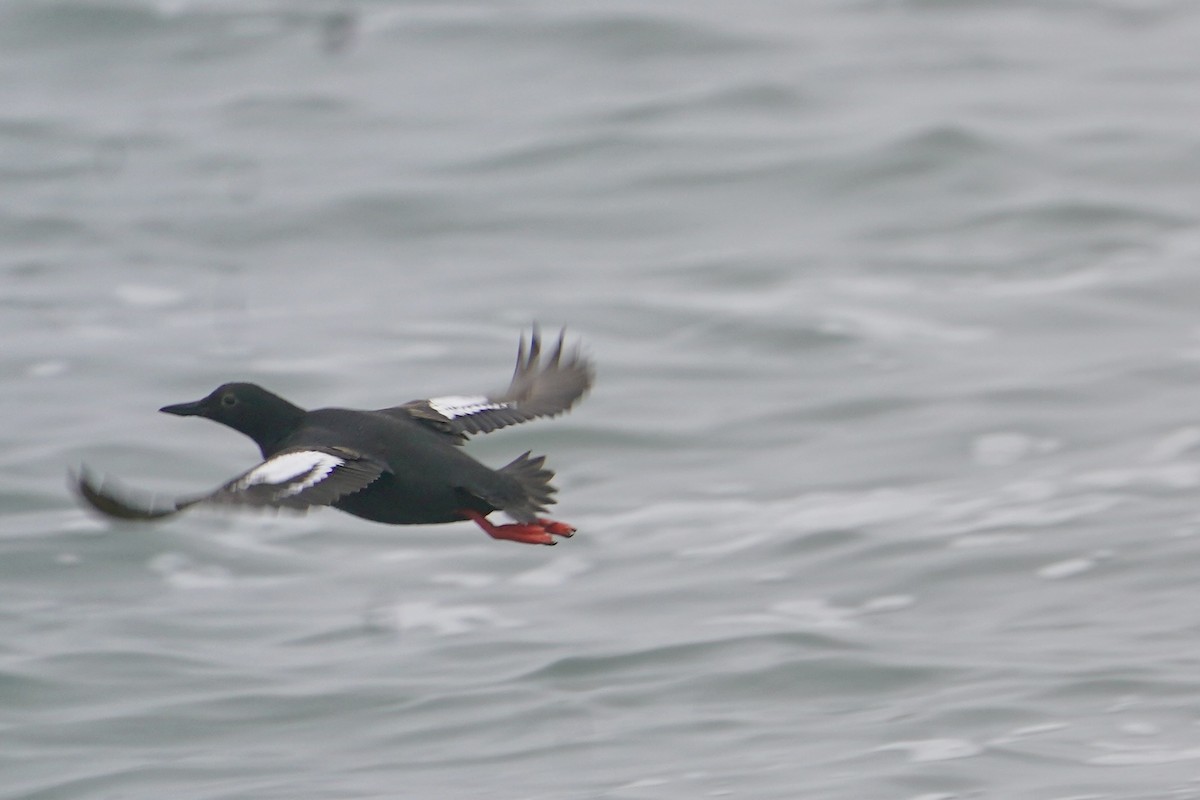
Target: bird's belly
{"x":394,"y":502}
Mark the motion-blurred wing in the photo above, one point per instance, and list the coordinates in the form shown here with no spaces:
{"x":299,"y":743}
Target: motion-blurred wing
{"x":298,"y":479}
{"x":538,"y":389}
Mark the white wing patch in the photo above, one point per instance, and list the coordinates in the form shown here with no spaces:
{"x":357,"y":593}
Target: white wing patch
{"x":301,"y":469}
{"x":454,"y":406}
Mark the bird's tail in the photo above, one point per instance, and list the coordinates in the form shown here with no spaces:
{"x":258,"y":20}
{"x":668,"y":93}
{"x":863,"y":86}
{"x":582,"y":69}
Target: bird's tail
{"x":534,"y":480}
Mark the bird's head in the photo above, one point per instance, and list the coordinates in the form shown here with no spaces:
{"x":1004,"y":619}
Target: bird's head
{"x":247,"y":408}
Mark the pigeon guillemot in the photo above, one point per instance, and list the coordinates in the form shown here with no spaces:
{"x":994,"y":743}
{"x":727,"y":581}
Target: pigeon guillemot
{"x":399,"y":465}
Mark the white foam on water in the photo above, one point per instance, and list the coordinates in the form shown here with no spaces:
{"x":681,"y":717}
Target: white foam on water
{"x":465,"y":580}
{"x":1175,"y":475}
{"x":182,"y":572}
{"x":1174,"y":444}
{"x":449,"y":620}
{"x":553,"y":573}
{"x":816,"y":613}
{"x":47,"y":369}
{"x":1028,"y":732}
{"x":893,"y":326}
{"x":1004,"y":449}
{"x":727,"y":545}
{"x":1067,"y":569}
{"x":888,"y":603}
{"x":999,"y":512}
{"x":1142,"y":757}
{"x":925,"y":750}
{"x":989,"y":540}
{"x":147,"y":296}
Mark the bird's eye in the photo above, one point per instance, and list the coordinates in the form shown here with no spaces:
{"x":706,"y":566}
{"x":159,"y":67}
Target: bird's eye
{"x":229,"y":400}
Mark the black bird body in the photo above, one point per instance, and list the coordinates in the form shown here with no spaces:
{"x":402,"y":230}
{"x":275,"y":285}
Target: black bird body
{"x":426,"y":481}
{"x":401,"y":465}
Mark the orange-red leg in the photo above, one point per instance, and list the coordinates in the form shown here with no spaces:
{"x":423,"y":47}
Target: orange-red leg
{"x":540,"y":531}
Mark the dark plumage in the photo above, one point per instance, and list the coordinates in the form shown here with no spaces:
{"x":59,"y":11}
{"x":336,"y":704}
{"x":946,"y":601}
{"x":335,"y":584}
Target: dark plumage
{"x":399,"y":465}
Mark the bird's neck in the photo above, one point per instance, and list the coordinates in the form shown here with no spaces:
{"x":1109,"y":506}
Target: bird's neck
{"x":270,"y":433}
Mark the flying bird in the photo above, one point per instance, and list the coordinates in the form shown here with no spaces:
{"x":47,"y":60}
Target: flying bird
{"x":402,"y":465}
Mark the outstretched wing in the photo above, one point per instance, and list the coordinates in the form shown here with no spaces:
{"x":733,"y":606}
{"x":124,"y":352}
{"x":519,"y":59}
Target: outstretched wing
{"x":297,"y":478}
{"x":538,"y":389}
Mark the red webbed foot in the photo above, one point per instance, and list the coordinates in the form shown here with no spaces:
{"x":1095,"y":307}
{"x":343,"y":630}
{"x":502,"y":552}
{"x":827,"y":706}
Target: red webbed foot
{"x":555,"y":527}
{"x":540,"y":531}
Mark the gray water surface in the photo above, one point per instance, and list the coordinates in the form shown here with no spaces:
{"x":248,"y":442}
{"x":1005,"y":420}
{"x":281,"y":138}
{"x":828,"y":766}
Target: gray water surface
{"x":887,"y":488}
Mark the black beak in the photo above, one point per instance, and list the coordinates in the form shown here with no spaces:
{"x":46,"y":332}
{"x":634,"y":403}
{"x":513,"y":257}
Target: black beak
{"x":195,"y":409}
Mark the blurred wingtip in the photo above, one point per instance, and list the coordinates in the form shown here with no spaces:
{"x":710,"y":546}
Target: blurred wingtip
{"x":101,"y":499}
